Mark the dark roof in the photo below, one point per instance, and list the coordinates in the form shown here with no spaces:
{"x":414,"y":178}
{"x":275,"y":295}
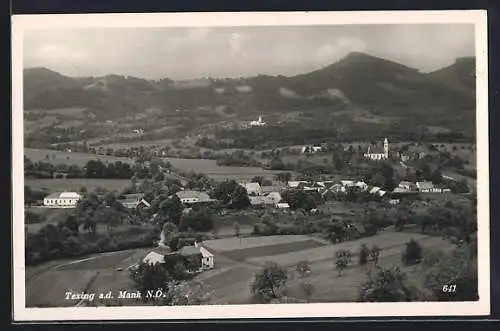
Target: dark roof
{"x":189,"y":250}
{"x":269,"y":189}
{"x":162,"y":250}
{"x":375,"y":149}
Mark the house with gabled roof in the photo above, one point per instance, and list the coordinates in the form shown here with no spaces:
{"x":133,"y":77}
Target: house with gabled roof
{"x":62,"y":199}
{"x":425,"y":186}
{"x":408,"y":186}
{"x":347,"y":183}
{"x":133,"y":201}
{"x":197,"y":251}
{"x":191,"y":196}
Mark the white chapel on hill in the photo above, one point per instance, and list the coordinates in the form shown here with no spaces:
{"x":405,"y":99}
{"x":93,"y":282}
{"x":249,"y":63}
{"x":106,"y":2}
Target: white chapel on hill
{"x":377,"y":153}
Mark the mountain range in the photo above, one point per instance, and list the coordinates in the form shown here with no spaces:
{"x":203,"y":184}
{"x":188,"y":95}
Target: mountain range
{"x":384,"y":87}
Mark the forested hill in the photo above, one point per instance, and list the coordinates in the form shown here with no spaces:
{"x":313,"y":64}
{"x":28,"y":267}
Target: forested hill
{"x":383,"y":87}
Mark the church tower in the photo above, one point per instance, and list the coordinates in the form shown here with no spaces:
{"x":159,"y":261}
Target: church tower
{"x":386,"y":148}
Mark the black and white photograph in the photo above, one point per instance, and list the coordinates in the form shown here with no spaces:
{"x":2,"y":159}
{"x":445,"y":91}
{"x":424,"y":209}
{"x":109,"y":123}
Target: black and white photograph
{"x":218,"y":165}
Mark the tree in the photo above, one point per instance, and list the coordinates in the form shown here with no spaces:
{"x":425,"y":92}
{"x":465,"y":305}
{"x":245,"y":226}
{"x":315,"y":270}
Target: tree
{"x":89,"y":224}
{"x":72,"y":224}
{"x":454,"y":277}
{"x":239,"y":198}
{"x":412,"y":254}
{"x":149,"y":278}
{"x":342,"y":260}
{"x":284,"y":177}
{"x":308,"y":289}
{"x":169,"y":228}
{"x":27,"y":195}
{"x":460,"y":186}
{"x":258,"y":179}
{"x":388,"y":285}
{"x":436,"y":177}
{"x":181,"y":293}
{"x":171,"y":210}
{"x":303,"y":268}
{"x":363,"y":255}
{"x":236,"y":228}
{"x":179,"y":272}
{"x":224,"y":190}
{"x":110,"y":199}
{"x":374,"y":253}
{"x":298,"y":199}
{"x":431,"y":257}
{"x":269,"y":282}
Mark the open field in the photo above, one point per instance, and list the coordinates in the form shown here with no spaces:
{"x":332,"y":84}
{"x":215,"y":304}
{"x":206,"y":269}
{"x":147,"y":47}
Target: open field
{"x":327,"y":252}
{"x":75,"y":184}
{"x":49,"y":290}
{"x":31,"y":126}
{"x":271,"y":250}
{"x":230,"y":244}
{"x":74,"y":112}
{"x":95,"y":274}
{"x":69,"y":158}
{"x":236,"y":262}
{"x":232,"y":279}
{"x":328,"y":287}
{"x":210,"y":168}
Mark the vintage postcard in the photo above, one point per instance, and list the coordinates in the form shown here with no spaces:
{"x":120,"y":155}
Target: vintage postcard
{"x":250,"y":165}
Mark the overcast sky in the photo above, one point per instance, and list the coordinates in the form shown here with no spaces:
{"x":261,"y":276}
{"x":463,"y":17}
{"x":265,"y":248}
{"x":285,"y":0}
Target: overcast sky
{"x":185,"y":53}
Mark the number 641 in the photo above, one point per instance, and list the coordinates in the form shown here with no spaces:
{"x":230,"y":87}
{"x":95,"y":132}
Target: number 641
{"x":449,"y":288}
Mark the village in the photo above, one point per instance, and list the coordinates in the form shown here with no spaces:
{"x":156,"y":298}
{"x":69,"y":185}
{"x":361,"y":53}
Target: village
{"x":196,"y":221}
{"x":354,"y":182}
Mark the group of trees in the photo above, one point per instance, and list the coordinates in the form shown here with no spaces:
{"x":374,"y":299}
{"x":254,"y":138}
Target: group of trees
{"x":92,"y":169}
{"x":237,"y":159}
{"x":447,"y":276}
{"x":169,"y":283}
{"x":78,"y":232}
{"x":231,"y":194}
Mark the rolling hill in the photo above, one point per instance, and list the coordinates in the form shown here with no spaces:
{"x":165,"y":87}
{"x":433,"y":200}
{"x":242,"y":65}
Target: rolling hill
{"x":444,"y":97}
{"x":460,"y":74}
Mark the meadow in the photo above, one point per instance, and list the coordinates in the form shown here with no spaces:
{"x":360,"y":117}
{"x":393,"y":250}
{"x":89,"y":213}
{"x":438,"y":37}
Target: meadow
{"x":97,"y":273}
{"x":69,"y":158}
{"x":208,"y":167}
{"x":211,"y":169}
{"x":232,"y":276}
{"x":231,"y":279}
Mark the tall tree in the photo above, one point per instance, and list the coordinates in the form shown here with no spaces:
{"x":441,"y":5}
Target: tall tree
{"x":388,"y":285}
{"x":269,"y":282}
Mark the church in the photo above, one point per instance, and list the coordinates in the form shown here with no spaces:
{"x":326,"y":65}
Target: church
{"x":376,"y":153}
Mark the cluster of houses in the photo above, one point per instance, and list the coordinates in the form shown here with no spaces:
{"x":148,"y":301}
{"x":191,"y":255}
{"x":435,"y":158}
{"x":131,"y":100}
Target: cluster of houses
{"x":259,"y":196}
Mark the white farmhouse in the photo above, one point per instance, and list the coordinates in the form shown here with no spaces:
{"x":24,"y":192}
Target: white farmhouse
{"x":207,"y":258}
{"x":199,"y":252}
{"x":62,"y":199}
{"x":188,"y":196}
